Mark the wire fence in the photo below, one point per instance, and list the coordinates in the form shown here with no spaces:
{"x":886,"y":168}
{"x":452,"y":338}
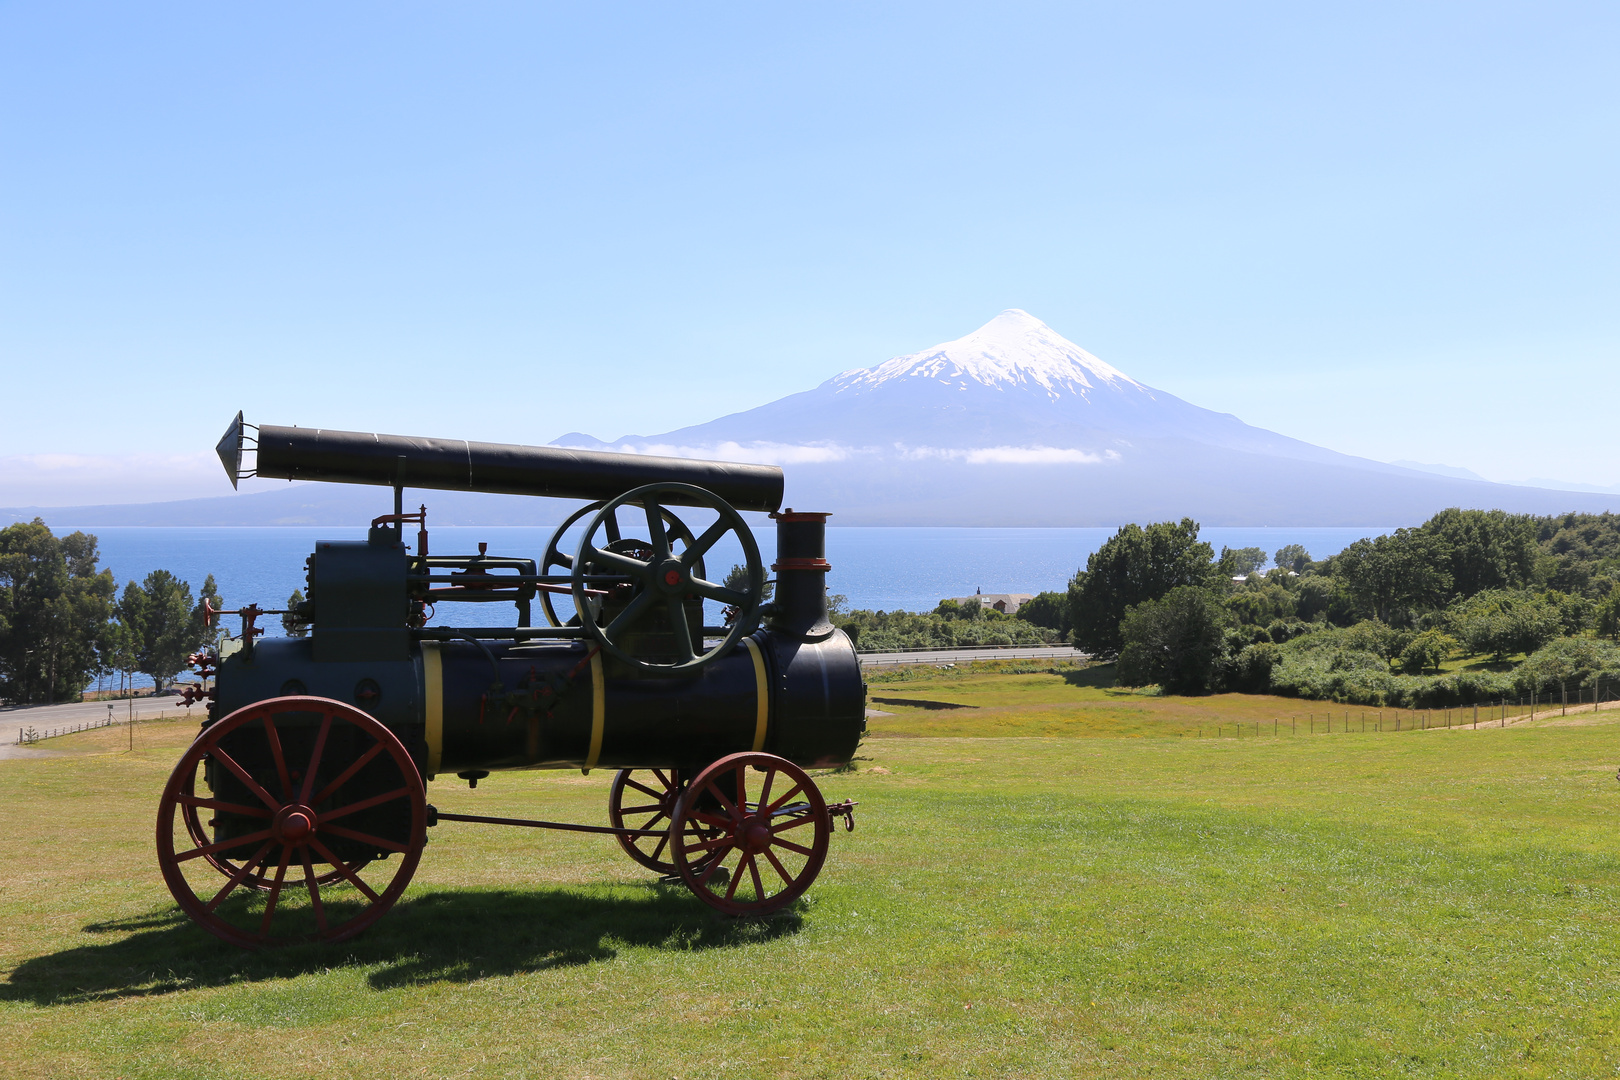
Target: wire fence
{"x":29,"y":735}
{"x":1503,"y":712}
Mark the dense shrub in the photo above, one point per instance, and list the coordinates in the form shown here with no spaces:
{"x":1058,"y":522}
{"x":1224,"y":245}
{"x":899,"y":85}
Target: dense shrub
{"x":1177,"y":642}
{"x":1500,"y":622}
{"x":885,"y":631}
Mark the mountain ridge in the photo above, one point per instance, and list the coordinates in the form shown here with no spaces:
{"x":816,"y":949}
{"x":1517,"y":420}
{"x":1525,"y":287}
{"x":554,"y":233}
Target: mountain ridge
{"x":1014,"y":409}
{"x":1010,"y":425}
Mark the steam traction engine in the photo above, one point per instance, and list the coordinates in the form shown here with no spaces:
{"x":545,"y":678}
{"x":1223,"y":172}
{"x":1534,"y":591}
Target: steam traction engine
{"x":300,"y":812}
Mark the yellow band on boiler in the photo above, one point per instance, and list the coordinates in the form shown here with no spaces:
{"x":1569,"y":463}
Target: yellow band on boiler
{"x":598,"y":711}
{"x":762,"y":695}
{"x":433,"y":704}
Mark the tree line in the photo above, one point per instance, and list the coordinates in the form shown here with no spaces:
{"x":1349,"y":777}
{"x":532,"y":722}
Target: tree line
{"x":1373,"y":624}
{"x":63,"y":622}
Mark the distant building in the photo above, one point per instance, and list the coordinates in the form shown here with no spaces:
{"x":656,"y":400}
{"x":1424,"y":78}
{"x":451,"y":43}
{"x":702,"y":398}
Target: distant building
{"x":1006,"y":603}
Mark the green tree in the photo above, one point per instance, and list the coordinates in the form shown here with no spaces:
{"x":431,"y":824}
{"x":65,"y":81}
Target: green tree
{"x":119,"y":653}
{"x":1135,"y":565}
{"x":1427,"y":651}
{"x":1292,"y":557}
{"x":737,"y":578}
{"x":1319,"y":597}
{"x":1048,"y":609}
{"x":1260,"y":602}
{"x":295,"y":625}
{"x":1501,"y":622}
{"x":1568,"y":663}
{"x":159,"y":614}
{"x":53,"y":613}
{"x":208,"y":631}
{"x":1177,"y":642}
{"x":1392,"y":577}
{"x":1240,"y":562}
{"x":1608,"y":614}
{"x":1484,"y":549}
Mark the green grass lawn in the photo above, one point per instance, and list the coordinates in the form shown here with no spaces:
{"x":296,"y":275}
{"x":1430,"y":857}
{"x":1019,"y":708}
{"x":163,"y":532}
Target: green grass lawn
{"x":1133,"y":902}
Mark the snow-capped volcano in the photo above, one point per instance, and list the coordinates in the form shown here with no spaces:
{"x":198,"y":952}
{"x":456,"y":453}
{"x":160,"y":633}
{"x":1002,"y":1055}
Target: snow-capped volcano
{"x":1014,"y":389}
{"x":1014,"y":424}
{"x":1012,"y":349}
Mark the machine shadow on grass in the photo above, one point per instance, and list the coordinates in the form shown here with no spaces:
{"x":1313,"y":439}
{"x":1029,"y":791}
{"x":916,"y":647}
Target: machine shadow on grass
{"x":445,"y":936}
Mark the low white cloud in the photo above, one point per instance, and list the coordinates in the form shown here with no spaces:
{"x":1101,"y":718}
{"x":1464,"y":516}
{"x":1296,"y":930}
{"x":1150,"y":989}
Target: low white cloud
{"x":764,"y":453}
{"x":95,"y":479}
{"x":1007,"y":455}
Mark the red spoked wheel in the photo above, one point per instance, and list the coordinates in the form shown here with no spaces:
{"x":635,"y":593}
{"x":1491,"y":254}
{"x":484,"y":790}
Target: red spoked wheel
{"x":651,"y":795}
{"x":750,"y":834}
{"x":305,"y":784}
{"x":199,"y":836}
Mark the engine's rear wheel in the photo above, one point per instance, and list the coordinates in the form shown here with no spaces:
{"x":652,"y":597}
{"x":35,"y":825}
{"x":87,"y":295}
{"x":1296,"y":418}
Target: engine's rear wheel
{"x":300,"y":785}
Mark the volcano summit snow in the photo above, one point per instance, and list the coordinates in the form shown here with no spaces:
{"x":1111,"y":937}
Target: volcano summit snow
{"x":1014,"y":424}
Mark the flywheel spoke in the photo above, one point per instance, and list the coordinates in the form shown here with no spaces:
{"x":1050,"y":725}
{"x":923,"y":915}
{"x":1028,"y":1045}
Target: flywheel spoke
{"x":711,"y":591}
{"x":700,"y":547}
{"x":624,"y":563}
{"x":634,"y":610}
{"x":655,"y":529}
{"x":682,"y":629}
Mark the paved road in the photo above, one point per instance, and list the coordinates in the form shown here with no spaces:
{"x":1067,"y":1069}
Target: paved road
{"x":963,"y":656}
{"x":48,"y":717}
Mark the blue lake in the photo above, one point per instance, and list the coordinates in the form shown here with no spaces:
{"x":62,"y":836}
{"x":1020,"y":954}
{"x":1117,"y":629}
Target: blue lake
{"x":876,"y":568}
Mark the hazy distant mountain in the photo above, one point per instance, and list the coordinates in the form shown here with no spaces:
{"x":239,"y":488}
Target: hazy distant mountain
{"x":1456,"y":472}
{"x":1566,"y":485}
{"x":1015,"y":425}
{"x":303,"y":504}
{"x":1010,"y":425}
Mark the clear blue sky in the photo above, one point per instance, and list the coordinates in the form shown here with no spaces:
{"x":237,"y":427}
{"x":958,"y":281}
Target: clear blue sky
{"x":1387,"y":230}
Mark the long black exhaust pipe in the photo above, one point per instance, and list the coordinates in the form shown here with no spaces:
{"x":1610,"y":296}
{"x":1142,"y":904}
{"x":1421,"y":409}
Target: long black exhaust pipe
{"x":400,"y":461}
